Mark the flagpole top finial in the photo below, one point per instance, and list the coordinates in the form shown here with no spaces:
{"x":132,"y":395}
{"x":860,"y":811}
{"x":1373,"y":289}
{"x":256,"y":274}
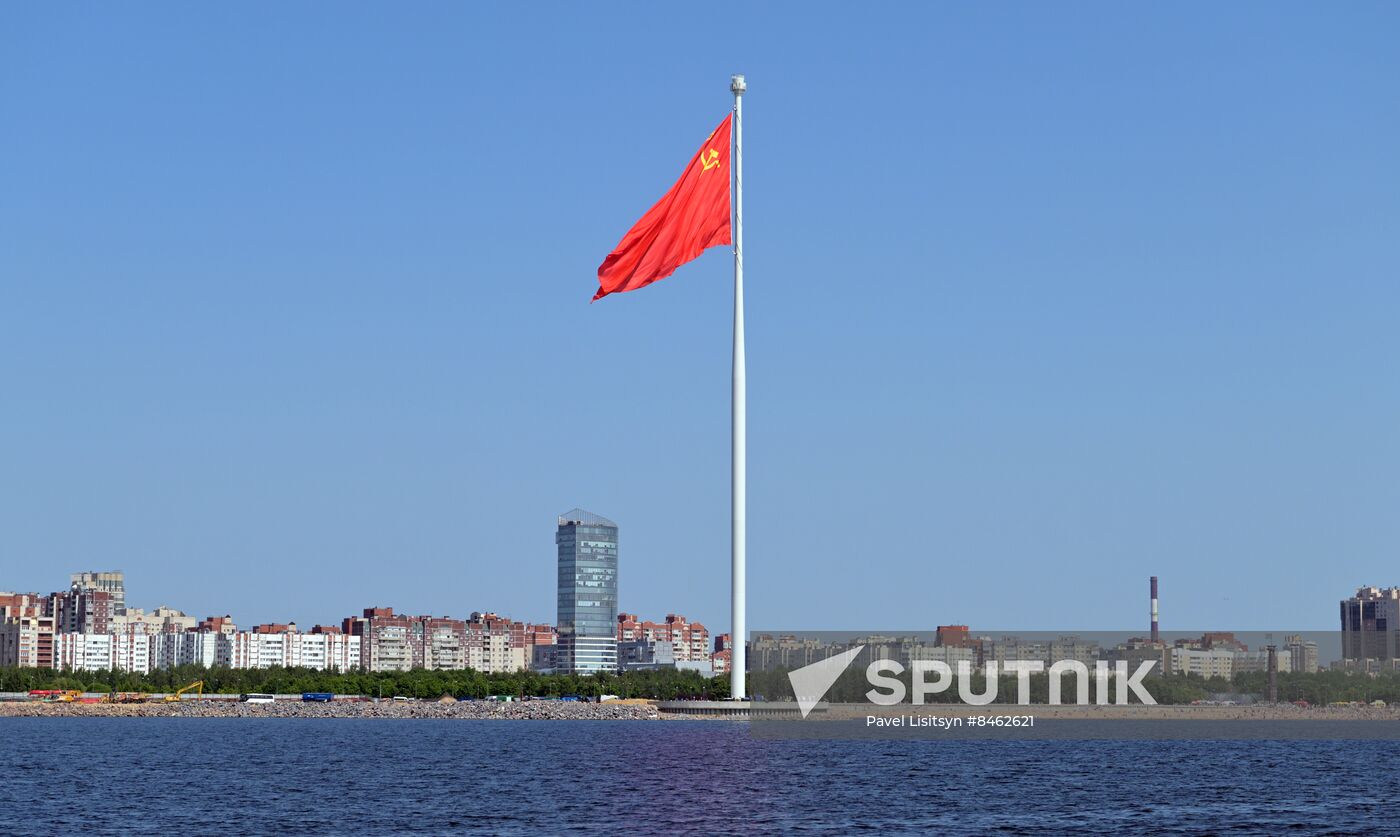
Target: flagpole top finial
{"x":736,"y":84}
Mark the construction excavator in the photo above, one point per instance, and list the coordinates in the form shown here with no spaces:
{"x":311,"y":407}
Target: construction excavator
{"x":175,"y":698}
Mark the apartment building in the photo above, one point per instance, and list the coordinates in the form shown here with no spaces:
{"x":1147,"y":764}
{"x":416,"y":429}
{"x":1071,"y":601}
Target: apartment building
{"x":282,"y":645}
{"x":486,"y":642}
{"x":328,"y":651}
{"x":1213,"y":662}
{"x":103,"y":652}
{"x":196,"y":648}
{"x":1371,"y":624}
{"x":160,"y":620}
{"x":498,"y":643}
{"x":1302,"y":654}
{"x":687,"y":641}
{"x":540,"y":641}
{"x":82,"y":610}
{"x":112,"y":583}
{"x":785,"y":651}
{"x":27,"y":641}
{"x":397,"y":642}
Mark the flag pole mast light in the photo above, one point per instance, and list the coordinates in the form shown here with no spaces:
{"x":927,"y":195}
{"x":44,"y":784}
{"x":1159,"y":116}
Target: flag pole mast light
{"x":738,"y":495}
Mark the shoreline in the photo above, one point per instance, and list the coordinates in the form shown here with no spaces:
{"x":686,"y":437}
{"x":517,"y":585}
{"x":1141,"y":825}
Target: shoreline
{"x":428,"y":710}
{"x":542,"y":710}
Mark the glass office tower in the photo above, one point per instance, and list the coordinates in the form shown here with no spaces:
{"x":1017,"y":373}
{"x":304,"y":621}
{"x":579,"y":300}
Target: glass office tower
{"x":587,"y":594}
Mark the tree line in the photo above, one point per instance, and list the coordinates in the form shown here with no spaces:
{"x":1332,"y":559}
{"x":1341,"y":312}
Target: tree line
{"x":1319,"y":688}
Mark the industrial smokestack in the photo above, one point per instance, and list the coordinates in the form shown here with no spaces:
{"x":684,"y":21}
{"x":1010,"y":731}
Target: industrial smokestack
{"x":1156,"y":637}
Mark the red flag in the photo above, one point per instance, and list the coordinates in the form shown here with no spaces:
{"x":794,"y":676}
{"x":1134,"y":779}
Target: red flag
{"x":691,"y":217}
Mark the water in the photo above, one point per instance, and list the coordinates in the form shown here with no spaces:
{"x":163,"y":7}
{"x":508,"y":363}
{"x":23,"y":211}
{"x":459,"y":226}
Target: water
{"x":305,"y":776}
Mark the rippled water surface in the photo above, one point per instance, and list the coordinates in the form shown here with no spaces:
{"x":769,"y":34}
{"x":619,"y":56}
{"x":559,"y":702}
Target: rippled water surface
{"x":263,"y":776}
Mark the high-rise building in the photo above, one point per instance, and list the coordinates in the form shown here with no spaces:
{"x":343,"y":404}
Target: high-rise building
{"x":274,"y":645}
{"x":689,"y":641}
{"x":952,"y":635}
{"x":446,"y":643}
{"x":113,"y":582}
{"x":1371,"y":624}
{"x":1302,"y":654}
{"x":27,"y":641}
{"x":723,"y":653}
{"x":201,"y":648}
{"x":786,"y":651}
{"x":398,"y":642}
{"x":218,"y":625}
{"x":387,"y":640}
{"x":539,"y":647}
{"x":82,"y":610}
{"x":587,"y":594}
{"x":497,"y":643}
{"x":15,"y":605}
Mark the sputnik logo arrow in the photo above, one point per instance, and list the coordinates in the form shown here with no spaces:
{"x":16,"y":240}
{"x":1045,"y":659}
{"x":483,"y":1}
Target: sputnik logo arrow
{"x":810,"y":683}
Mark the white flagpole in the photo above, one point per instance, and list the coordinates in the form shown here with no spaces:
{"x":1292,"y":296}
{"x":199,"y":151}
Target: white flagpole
{"x":738,"y":496}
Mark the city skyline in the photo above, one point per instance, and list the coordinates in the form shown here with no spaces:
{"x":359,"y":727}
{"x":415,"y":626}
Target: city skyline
{"x":89,"y":628}
{"x":112,"y":580}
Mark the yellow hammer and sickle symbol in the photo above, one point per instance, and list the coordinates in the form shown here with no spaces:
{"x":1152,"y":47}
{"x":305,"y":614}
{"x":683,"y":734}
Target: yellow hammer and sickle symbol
{"x":709,"y":159}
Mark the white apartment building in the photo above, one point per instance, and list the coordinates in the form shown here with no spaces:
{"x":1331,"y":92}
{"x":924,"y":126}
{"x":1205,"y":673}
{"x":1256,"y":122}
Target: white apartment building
{"x":103,"y":652}
{"x":135,"y":650}
{"x":294,"y":650}
{"x":1217,"y":662}
{"x":131,"y":652}
{"x":198,"y":648}
{"x":82,"y":652}
{"x":335,"y":652}
{"x":251,"y":650}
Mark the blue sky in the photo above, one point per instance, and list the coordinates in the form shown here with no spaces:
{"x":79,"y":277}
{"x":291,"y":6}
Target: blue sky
{"x":1042,"y":300}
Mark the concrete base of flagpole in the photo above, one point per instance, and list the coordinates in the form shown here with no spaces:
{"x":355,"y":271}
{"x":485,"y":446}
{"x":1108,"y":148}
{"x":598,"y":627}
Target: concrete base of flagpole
{"x":737,"y":709}
{"x":710,"y":708}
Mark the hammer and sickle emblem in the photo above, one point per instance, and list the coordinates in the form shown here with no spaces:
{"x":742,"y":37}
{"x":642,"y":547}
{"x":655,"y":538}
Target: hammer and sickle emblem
{"x":709,"y":159}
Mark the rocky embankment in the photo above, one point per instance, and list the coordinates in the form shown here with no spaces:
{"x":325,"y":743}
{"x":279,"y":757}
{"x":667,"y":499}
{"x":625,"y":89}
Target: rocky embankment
{"x":537,"y":710}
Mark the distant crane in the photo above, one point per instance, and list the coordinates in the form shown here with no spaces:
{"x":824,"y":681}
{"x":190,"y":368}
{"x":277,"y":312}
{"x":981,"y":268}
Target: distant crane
{"x":175,"y":698}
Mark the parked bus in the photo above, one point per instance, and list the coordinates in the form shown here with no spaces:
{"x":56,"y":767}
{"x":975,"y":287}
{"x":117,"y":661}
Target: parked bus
{"x":256,"y":697}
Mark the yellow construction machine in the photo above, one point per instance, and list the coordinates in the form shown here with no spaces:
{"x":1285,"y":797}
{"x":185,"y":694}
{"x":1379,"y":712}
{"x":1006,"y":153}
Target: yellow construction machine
{"x":175,"y":698}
